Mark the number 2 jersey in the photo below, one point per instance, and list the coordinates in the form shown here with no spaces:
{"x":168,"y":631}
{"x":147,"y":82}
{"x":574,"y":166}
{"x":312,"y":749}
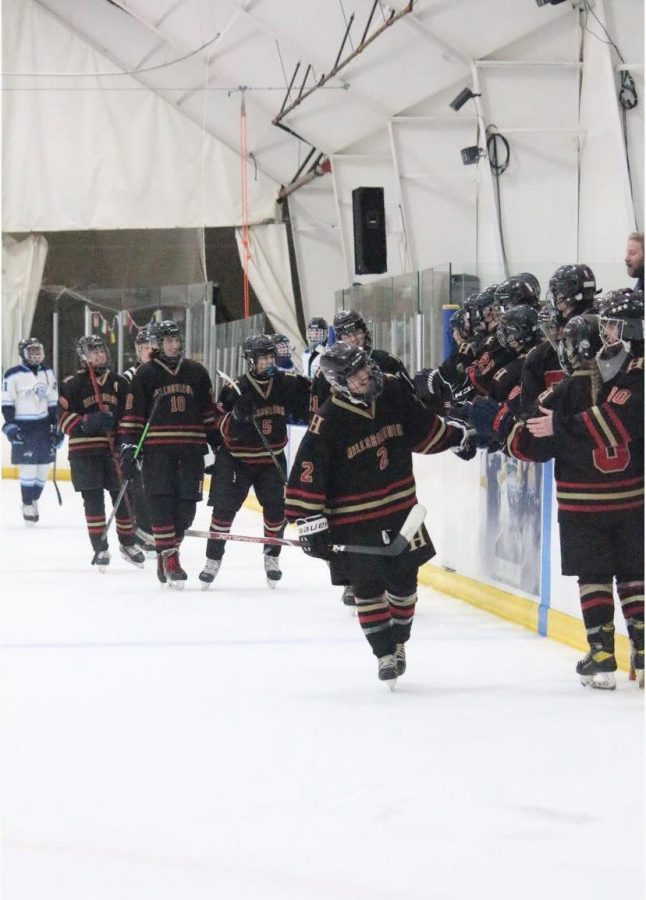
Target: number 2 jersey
{"x":355,"y":466}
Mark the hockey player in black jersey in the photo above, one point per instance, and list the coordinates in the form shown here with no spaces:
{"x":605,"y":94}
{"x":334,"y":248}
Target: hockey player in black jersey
{"x":90,"y":423}
{"x":352,"y":481}
{"x":440,"y":388}
{"x":592,"y":425}
{"x":253,"y":412}
{"x":143,"y":352}
{"x":174,"y":396}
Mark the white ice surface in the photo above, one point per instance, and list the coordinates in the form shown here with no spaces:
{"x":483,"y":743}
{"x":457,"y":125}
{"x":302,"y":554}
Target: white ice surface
{"x":237,"y":743}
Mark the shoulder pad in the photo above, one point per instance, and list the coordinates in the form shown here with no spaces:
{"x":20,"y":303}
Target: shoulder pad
{"x":13,"y":371}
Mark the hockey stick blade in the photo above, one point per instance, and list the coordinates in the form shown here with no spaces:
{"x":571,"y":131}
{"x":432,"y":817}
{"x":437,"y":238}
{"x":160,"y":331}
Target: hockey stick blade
{"x":411,"y":526}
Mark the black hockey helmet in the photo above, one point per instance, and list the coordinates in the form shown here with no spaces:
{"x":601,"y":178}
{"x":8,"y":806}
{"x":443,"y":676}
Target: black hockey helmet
{"x":282,"y":345}
{"x":516,"y":292}
{"x":531,"y":280}
{"x":91,"y":342}
{"x":575,"y":286}
{"x":167,"y":328}
{"x":350,"y":323}
{"x":316,"y":331}
{"x":519,"y":327}
{"x":482,"y":314}
{"x":621,"y":316}
{"x":143,"y":336}
{"x":467,"y":308}
{"x":31,"y":352}
{"x":580,"y":342}
{"x":458,"y":322}
{"x":342,"y":361}
{"x":255,"y":346}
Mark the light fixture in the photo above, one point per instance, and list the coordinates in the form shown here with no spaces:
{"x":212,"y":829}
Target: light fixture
{"x":464,"y":95}
{"x":471,"y":155}
{"x":549,"y":2}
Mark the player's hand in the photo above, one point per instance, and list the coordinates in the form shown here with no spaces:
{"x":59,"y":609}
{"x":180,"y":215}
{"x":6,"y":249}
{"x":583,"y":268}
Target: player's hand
{"x":244,"y":408}
{"x":130,"y":466}
{"x":542,"y":426}
{"x":13,"y":432}
{"x":56,"y":438}
{"x":314,"y":536}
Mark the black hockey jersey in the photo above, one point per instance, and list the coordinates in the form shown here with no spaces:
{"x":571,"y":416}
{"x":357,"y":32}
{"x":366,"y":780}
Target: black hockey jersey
{"x":389,"y":364}
{"x":492,"y":358}
{"x":185,"y":413}
{"x":598,"y":446}
{"x":77,"y":398}
{"x":541,"y":371}
{"x":283,"y":396}
{"x":354,"y":464}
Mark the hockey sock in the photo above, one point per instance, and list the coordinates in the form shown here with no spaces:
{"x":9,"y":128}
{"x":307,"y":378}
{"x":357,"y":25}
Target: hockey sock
{"x":376,"y":623}
{"x":94,"y":506}
{"x":597,"y":605}
{"x":631,"y":597}
{"x":184,"y":515}
{"x":27,"y":483}
{"x":42,"y":471}
{"x":273,"y":529}
{"x":402,"y":610}
{"x":215,"y":548}
{"x":163,"y":524}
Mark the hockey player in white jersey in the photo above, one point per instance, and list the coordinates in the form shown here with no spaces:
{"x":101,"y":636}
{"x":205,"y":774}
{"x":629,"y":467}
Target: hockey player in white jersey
{"x":29,"y":398}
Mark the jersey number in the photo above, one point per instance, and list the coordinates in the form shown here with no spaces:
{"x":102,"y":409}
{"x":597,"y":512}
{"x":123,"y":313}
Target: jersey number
{"x":266,"y":426}
{"x":177,"y":404}
{"x":382,"y":456}
{"x":615,"y":460}
{"x":306,"y":471}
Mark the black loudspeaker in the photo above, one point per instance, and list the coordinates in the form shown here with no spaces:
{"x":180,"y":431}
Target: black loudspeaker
{"x":369,"y":223}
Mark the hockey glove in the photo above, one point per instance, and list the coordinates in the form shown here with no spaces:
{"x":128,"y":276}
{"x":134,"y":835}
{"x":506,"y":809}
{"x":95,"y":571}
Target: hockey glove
{"x":467,"y":449}
{"x":56,"y":438}
{"x":130,"y":466}
{"x":244,"y":408}
{"x":13,"y":432}
{"x":491,"y":420}
{"x":97,"y":423}
{"x":314,"y":536}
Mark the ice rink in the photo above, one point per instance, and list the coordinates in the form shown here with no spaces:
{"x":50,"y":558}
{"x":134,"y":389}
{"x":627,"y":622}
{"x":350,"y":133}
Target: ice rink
{"x":236,"y":743}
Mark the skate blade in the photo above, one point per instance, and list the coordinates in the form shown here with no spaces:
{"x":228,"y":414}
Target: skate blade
{"x":392,"y":683}
{"x":602,"y":681}
{"x":639,"y":677}
{"x":206,"y":584}
{"x":271,"y":584}
{"x":103,"y":569}
{"x":176,"y":585}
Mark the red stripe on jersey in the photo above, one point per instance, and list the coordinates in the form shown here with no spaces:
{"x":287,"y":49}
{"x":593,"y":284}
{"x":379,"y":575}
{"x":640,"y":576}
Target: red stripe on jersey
{"x":364,"y":516}
{"x":619,"y":425}
{"x":592,"y":429}
{"x":600,"y":507}
{"x":626,"y":482}
{"x":393,"y":486}
{"x":307,"y":495}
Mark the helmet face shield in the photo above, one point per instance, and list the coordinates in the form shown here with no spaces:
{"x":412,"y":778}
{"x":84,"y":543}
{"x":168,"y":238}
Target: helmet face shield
{"x":31,"y":352}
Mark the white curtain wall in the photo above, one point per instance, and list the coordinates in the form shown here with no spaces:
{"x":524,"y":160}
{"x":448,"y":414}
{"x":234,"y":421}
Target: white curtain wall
{"x":23,"y":263}
{"x":270,"y":277}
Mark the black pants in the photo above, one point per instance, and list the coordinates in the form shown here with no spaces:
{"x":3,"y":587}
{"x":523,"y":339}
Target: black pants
{"x":173,"y":480}
{"x":230,"y":484}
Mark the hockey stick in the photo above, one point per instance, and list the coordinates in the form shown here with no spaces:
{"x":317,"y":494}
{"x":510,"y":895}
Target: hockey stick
{"x":413,"y":523}
{"x":58,"y":493}
{"x":262,"y":437}
{"x":124,"y":482}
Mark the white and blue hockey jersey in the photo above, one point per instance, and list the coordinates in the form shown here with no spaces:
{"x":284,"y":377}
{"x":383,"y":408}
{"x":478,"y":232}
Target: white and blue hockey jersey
{"x":29,"y":395}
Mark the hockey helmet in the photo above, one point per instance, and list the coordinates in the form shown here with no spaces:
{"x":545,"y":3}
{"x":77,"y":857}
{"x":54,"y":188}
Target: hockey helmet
{"x":161,"y":331}
{"x":458,"y":322}
{"x":572,"y":290}
{"x":518,"y":328}
{"x":580,"y":342}
{"x":283,"y":346}
{"x":548,"y":323}
{"x":260,"y":352}
{"x":31,"y":352}
{"x":531,"y":280}
{"x":93,"y":343}
{"x":350,"y":328}
{"x":341,"y":362}
{"x":316,"y":332}
{"x":621,"y":316}
{"x":482,"y":314}
{"x":515,"y":292}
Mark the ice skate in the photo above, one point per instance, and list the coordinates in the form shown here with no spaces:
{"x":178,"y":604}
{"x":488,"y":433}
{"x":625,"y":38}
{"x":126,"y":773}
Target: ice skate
{"x":598,"y":666}
{"x":208,"y":573}
{"x":30,"y":513}
{"x":387,"y":670}
{"x":132,"y":554}
{"x":348,"y":600}
{"x":636,"y":632}
{"x":400,"y":658}
{"x":103,"y":560}
{"x":272,"y":569}
{"x":175,"y":575}
{"x":160,"y":569}
{"x":148,"y":549}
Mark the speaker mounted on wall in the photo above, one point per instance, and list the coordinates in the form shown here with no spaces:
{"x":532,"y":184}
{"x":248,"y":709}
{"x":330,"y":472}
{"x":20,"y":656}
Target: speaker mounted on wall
{"x":369,"y":222}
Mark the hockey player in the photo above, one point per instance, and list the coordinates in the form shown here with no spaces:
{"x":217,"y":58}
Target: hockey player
{"x":352,"y":480}
{"x":440,"y":388}
{"x":316,"y":334}
{"x":571,"y":293}
{"x":253,"y":413}
{"x":174,"y":396}
{"x":29,"y":398}
{"x":90,"y":422}
{"x":143,"y":352}
{"x":136,"y":491}
{"x":283,"y":352}
{"x":592,"y":424}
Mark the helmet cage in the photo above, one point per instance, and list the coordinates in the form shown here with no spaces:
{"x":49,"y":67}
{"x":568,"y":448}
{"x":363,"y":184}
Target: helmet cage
{"x":256,"y":346}
{"x":31,"y":352}
{"x":580,"y":343}
{"x":91,"y":342}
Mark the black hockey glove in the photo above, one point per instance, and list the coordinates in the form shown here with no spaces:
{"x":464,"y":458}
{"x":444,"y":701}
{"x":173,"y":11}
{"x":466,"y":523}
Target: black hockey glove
{"x":13,"y":432}
{"x":314,"y":536}
{"x":130,"y":466}
{"x":244,"y":408}
{"x":97,"y":423}
{"x":56,"y":438}
{"x":491,"y":420}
